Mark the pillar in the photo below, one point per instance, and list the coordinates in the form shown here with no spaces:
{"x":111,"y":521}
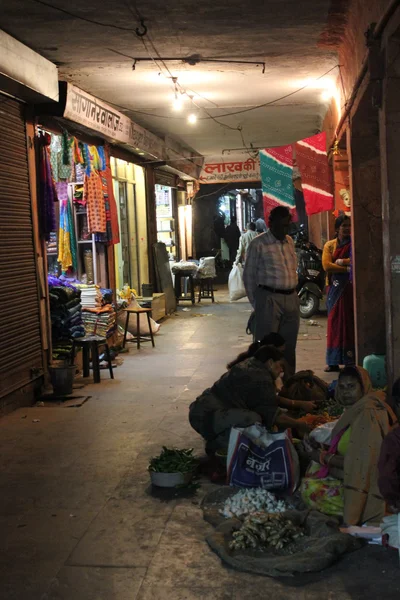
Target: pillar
{"x":390,"y":172}
{"x":367,"y":250}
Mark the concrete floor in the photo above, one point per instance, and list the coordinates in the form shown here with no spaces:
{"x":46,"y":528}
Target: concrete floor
{"x":78,"y":520}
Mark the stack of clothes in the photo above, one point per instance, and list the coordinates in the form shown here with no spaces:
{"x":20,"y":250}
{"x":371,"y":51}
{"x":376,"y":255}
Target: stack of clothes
{"x":66,"y":317}
{"x":90,"y":296}
{"x":100,"y":321}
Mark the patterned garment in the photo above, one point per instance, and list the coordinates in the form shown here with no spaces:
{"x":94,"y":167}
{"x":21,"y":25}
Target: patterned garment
{"x":325,"y":495}
{"x":276,"y":167}
{"x":94,"y":198}
{"x":316,"y":180}
{"x":270,"y":262}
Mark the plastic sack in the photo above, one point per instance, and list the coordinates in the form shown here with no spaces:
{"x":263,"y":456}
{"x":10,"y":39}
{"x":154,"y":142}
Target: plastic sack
{"x":144,"y":326}
{"x":257,"y":458}
{"x":391,"y":530}
{"x":206,"y":268}
{"x":323,"y":433}
{"x":235,"y":284}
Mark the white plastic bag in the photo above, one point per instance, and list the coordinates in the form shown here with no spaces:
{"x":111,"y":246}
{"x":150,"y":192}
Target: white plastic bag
{"x":323,"y":433}
{"x":235,"y":283}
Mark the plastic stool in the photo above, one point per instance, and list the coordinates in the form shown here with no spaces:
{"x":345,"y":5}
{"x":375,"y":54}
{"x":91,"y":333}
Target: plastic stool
{"x":187,"y":278}
{"x":206,"y":289}
{"x":90,"y":347}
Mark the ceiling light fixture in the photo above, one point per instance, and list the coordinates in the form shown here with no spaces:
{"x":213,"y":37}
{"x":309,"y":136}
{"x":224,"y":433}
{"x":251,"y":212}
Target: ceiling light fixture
{"x":192,"y":119}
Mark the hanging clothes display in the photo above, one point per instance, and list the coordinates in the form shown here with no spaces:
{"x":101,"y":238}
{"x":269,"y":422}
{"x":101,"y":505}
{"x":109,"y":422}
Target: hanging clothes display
{"x":316,"y":179}
{"x":47,"y":191}
{"x":114,"y":236}
{"x":276,"y":166}
{"x":67,"y":256}
{"x":96,"y":210}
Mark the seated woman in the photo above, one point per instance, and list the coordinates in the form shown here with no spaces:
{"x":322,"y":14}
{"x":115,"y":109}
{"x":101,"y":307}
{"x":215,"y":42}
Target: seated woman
{"x":276,"y":340}
{"x":343,"y":480}
{"x":244,"y":395}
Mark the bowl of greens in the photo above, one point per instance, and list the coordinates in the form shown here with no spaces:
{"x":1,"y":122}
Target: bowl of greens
{"x":173,"y":467}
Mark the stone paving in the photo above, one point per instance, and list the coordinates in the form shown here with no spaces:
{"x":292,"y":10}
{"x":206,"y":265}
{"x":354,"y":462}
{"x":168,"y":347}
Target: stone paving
{"x":78,"y":519}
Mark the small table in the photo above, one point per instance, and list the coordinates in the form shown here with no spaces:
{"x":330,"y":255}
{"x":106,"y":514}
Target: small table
{"x":90,"y":347}
{"x":139,"y":337}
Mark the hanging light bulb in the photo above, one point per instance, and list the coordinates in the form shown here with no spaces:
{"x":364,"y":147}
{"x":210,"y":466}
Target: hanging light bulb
{"x":192,"y":119}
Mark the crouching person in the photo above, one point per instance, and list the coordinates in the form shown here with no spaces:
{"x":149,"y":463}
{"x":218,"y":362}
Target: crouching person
{"x":243,"y":396}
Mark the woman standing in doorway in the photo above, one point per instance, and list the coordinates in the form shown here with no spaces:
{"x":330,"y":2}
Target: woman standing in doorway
{"x":336,"y":262}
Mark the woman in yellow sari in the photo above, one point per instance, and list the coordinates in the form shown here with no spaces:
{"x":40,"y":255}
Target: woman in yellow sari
{"x":343,"y":480}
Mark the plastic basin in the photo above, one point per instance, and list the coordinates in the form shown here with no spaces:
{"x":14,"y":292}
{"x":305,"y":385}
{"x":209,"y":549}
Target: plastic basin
{"x":169,"y":480}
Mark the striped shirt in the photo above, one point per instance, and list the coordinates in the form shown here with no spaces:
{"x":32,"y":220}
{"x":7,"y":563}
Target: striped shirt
{"x":270,"y":262}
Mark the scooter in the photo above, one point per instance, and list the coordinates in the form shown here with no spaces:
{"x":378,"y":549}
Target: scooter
{"x":311,"y":275}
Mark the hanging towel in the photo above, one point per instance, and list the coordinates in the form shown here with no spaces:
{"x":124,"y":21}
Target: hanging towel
{"x":316,"y":179}
{"x":276,"y":166}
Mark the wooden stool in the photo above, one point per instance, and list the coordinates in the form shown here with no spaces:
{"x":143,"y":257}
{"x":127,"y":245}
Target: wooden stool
{"x":139,"y":338}
{"x":179,"y":275}
{"x":90,"y":347}
{"x":206,"y":289}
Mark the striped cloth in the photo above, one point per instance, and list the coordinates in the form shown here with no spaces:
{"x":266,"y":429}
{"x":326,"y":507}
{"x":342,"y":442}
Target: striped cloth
{"x":316,"y":180}
{"x":276,"y":165}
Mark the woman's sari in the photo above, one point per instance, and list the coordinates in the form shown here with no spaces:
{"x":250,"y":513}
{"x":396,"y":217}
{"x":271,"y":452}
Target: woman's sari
{"x":358,"y":437}
{"x":340,"y":343}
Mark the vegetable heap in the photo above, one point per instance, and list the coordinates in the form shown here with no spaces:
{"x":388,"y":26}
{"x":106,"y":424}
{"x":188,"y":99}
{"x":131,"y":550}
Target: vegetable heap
{"x":317,"y":420}
{"x":248,"y":501}
{"x":261,"y":531}
{"x":173,"y":460}
{"x":331,"y":407}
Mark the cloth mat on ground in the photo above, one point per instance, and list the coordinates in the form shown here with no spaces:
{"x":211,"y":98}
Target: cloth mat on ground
{"x":322,"y":545}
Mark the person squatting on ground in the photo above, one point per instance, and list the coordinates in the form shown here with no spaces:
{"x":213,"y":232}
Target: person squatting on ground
{"x":270,"y":279}
{"x":243,"y":396}
{"x":276,"y":340}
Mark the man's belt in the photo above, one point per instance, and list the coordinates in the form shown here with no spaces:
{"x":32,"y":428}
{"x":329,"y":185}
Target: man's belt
{"x":276,"y":291}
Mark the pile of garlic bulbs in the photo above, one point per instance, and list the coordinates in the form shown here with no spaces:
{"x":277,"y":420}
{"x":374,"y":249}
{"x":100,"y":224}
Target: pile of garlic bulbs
{"x":249,"y":501}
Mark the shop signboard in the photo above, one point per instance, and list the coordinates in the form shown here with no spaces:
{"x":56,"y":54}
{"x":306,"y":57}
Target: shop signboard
{"x":230,"y":168}
{"x":87,"y":110}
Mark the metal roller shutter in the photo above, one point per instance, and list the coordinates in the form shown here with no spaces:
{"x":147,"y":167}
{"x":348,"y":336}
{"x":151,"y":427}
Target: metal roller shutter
{"x":20,"y":338}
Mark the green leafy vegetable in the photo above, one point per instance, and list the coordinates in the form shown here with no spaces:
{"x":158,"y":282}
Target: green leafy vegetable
{"x":173,"y":460}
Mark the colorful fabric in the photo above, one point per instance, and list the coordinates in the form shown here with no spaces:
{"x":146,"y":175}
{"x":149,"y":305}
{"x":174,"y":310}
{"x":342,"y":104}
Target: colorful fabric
{"x":47,"y":191}
{"x":115,"y":237}
{"x":94,"y":198}
{"x":357,"y":436}
{"x":316,"y":180}
{"x":276,"y":167}
{"x":340,"y":305}
{"x":325,"y":495}
{"x":270,"y":262}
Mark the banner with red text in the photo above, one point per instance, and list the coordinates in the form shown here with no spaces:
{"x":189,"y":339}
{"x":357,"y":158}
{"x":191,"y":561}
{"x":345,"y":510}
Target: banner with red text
{"x":230,"y":168}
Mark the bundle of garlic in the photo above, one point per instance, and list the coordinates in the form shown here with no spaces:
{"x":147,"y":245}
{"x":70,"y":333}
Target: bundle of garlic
{"x":262,"y":530}
{"x":248,"y":501}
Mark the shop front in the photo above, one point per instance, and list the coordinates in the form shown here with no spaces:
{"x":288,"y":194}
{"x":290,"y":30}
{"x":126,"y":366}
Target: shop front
{"x":23,"y":335}
{"x":132,"y":254}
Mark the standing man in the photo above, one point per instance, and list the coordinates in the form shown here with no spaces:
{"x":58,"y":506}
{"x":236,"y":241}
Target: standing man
{"x":270,"y":279}
{"x":232,"y":237}
{"x":244,"y":242}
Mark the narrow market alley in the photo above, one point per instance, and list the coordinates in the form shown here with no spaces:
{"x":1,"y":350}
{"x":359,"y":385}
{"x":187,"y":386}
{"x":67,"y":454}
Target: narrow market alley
{"x":78,"y":517}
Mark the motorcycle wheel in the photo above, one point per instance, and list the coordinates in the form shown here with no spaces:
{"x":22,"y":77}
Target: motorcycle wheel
{"x":309,"y":305}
